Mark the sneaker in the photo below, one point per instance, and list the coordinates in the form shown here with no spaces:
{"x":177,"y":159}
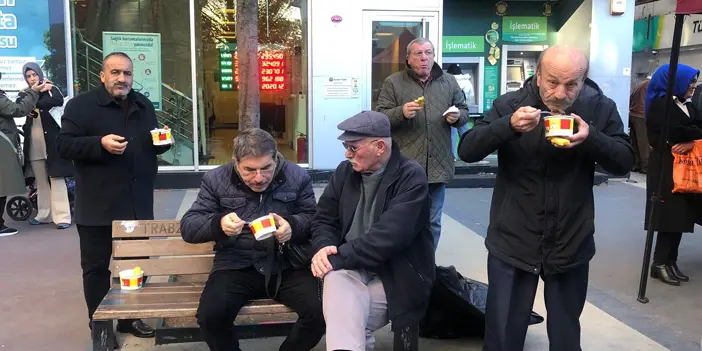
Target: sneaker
{"x":5,"y":231}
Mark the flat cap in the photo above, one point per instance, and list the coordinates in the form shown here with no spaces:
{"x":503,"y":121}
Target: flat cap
{"x":363,"y":125}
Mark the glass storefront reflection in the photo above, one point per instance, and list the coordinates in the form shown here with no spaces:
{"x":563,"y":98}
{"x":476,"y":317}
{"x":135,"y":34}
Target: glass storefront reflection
{"x":139,"y":19}
{"x":283,"y":77}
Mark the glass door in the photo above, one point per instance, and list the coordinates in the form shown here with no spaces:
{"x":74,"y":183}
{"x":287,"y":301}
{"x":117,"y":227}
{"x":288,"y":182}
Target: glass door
{"x":386,"y":35}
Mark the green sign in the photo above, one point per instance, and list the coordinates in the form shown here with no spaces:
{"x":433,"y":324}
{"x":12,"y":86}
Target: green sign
{"x":227,"y":68}
{"x":463,"y":44}
{"x":491,"y":86}
{"x":645,"y":36}
{"x":145,"y":51}
{"x":524,"y":29}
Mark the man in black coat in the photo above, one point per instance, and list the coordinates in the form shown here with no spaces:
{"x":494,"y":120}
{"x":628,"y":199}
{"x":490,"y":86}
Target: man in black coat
{"x":372,"y":238}
{"x":542,"y":211}
{"x":259,"y":182}
{"x":106,"y":132}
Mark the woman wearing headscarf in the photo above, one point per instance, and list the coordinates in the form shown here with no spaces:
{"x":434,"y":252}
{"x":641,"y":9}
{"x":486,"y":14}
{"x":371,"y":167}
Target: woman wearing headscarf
{"x":48,"y":168}
{"x":675,"y":213}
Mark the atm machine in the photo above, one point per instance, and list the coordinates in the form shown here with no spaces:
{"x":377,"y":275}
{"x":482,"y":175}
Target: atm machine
{"x":518,"y":70}
{"x":518,"y":64}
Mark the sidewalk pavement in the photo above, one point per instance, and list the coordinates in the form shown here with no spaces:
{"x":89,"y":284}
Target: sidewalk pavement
{"x":43,"y":305}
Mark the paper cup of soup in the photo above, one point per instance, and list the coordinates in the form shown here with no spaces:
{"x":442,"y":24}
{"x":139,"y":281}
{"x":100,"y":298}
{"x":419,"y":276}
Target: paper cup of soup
{"x":161,"y":136}
{"x":131,"y":279}
{"x":263,"y":228}
{"x":558,"y":126}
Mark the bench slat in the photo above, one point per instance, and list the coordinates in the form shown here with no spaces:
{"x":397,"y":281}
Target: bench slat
{"x":156,"y":288}
{"x":185,"y":309}
{"x":158,"y":247}
{"x":166,"y":265}
{"x":144,"y":229}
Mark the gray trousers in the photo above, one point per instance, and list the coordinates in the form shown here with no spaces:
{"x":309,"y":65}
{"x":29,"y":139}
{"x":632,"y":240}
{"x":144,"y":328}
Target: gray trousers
{"x":354,"y":307}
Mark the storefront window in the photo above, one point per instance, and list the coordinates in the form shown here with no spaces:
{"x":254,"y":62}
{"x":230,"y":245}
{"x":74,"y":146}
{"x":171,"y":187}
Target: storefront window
{"x":283,"y":77}
{"x":156,"y":35}
{"x":33,"y":31}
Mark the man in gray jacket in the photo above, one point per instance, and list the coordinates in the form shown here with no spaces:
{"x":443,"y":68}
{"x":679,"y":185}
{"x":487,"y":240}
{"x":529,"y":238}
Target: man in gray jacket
{"x":423,"y":128}
{"x":8,"y":111}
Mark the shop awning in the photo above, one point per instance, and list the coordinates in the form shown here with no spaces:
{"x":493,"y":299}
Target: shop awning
{"x":686,"y":7}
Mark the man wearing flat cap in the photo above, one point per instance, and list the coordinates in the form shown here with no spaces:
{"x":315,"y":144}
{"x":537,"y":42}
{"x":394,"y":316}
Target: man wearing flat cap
{"x":371,"y":233}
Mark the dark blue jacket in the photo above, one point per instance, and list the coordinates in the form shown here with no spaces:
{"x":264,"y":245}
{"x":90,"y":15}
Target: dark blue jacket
{"x":290,"y":195}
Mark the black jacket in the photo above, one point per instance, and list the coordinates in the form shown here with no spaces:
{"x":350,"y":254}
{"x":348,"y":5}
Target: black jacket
{"x":542,"y":211}
{"x":110,"y":187}
{"x":399,"y":245}
{"x":56,"y":166}
{"x":676,"y":213}
{"x":290,"y":195}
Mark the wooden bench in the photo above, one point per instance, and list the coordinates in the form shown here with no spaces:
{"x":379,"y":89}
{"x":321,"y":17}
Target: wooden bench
{"x":171,"y":261}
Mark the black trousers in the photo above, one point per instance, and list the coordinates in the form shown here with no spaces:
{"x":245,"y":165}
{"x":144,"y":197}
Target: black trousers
{"x":667,"y":245}
{"x":510,"y":301}
{"x":3,"y":200}
{"x":95,"y":253}
{"x":227,"y":291}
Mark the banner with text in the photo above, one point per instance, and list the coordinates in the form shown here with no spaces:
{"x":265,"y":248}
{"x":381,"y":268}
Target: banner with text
{"x":23,"y":26}
{"x":516,"y":29}
{"x":460,"y":44}
{"x":145,"y":51}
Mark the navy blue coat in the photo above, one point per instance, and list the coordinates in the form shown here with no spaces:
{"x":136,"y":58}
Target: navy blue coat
{"x":290,"y":195}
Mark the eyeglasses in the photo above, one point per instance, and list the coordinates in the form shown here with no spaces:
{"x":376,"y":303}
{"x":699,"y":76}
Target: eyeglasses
{"x":353,"y":149}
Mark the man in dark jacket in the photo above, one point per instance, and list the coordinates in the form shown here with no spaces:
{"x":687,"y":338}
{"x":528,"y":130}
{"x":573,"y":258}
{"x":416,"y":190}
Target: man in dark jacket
{"x":542,"y":212}
{"x":423,"y":130}
{"x":259,"y":182}
{"x":371,"y":234}
{"x":637,"y":127}
{"x":10,"y":177}
{"x":106,"y":132}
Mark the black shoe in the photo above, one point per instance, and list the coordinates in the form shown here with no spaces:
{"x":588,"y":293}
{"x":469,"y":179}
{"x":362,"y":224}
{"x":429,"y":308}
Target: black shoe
{"x":663,"y":273}
{"x":5,"y":231}
{"x":137,"y":328}
{"x":677,"y":273}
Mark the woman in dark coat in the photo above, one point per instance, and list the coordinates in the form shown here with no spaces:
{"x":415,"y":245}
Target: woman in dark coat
{"x":676,"y":215}
{"x":48,"y":168}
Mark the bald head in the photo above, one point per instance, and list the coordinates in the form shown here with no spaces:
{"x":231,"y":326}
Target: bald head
{"x":560,"y":75}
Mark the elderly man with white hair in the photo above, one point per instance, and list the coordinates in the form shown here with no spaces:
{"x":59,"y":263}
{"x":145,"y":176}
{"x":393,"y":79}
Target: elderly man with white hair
{"x":371,"y":233}
{"x":417,"y":102}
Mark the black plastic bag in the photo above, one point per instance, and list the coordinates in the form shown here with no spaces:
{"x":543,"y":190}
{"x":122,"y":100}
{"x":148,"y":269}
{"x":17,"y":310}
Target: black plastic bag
{"x":457,"y":307}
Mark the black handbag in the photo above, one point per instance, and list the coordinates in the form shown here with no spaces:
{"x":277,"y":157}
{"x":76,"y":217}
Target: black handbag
{"x":299,"y":256}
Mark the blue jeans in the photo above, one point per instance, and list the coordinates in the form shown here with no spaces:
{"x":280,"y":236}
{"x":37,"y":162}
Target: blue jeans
{"x":459,"y":132}
{"x":437,"y":193}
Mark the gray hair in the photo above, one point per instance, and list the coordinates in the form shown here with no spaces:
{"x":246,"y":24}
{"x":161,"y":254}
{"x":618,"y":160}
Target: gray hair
{"x":254,"y":142}
{"x":115,"y":54}
{"x":419,"y":41}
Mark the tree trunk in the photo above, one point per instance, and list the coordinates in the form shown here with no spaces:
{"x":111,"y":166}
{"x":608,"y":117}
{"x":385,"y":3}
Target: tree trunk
{"x":247,"y":49}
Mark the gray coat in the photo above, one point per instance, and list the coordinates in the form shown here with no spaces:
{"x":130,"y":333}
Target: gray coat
{"x":11,"y":177}
{"x":425,"y":138}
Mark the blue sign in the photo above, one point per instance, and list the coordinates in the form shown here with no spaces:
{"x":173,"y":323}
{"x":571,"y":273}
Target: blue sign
{"x":24,"y":25}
